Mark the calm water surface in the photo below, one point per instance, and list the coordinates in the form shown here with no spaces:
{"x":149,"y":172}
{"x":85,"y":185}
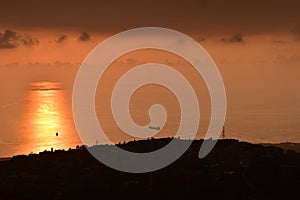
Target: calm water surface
{"x":31,"y":118}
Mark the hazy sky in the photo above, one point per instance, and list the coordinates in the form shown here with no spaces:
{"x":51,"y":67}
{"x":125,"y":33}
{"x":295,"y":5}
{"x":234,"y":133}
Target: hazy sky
{"x":47,"y":25}
{"x":255,"y":44}
{"x":207,"y":16}
{"x":245,"y":38}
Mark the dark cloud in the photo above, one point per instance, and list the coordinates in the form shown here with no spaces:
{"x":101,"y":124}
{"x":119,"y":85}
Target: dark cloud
{"x":61,"y":38}
{"x":28,"y":41}
{"x":12,"y":39}
{"x":200,"y":39}
{"x":84,"y":36}
{"x":235,"y":38}
{"x":111,"y":16}
{"x":8,"y":39}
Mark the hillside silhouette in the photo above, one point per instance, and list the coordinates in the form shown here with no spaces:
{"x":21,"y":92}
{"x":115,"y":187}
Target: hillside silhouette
{"x":232,"y":170}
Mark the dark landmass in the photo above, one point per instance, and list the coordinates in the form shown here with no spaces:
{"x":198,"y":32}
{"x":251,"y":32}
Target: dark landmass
{"x":285,"y":146}
{"x":232,"y":170}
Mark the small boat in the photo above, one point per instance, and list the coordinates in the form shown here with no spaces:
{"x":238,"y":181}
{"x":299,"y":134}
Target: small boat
{"x":155,"y":127}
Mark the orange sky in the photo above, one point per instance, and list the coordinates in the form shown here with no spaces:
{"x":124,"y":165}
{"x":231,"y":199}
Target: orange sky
{"x":248,"y":31}
{"x":255,"y":44}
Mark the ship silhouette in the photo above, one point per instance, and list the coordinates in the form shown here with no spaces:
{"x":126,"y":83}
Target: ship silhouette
{"x":155,"y":127}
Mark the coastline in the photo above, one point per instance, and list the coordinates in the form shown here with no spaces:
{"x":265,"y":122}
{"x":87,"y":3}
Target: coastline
{"x":293,"y":146}
{"x":254,"y":171}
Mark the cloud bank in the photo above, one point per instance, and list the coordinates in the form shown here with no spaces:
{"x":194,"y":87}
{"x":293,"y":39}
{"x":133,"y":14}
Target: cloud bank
{"x":84,"y":36}
{"x":12,"y":39}
{"x":235,"y":38}
{"x":61,"y":38}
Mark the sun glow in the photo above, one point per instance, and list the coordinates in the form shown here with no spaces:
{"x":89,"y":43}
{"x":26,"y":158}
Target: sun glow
{"x":46,"y":118}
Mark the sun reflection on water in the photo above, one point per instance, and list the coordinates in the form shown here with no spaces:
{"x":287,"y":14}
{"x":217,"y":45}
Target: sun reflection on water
{"x":48,"y":121}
